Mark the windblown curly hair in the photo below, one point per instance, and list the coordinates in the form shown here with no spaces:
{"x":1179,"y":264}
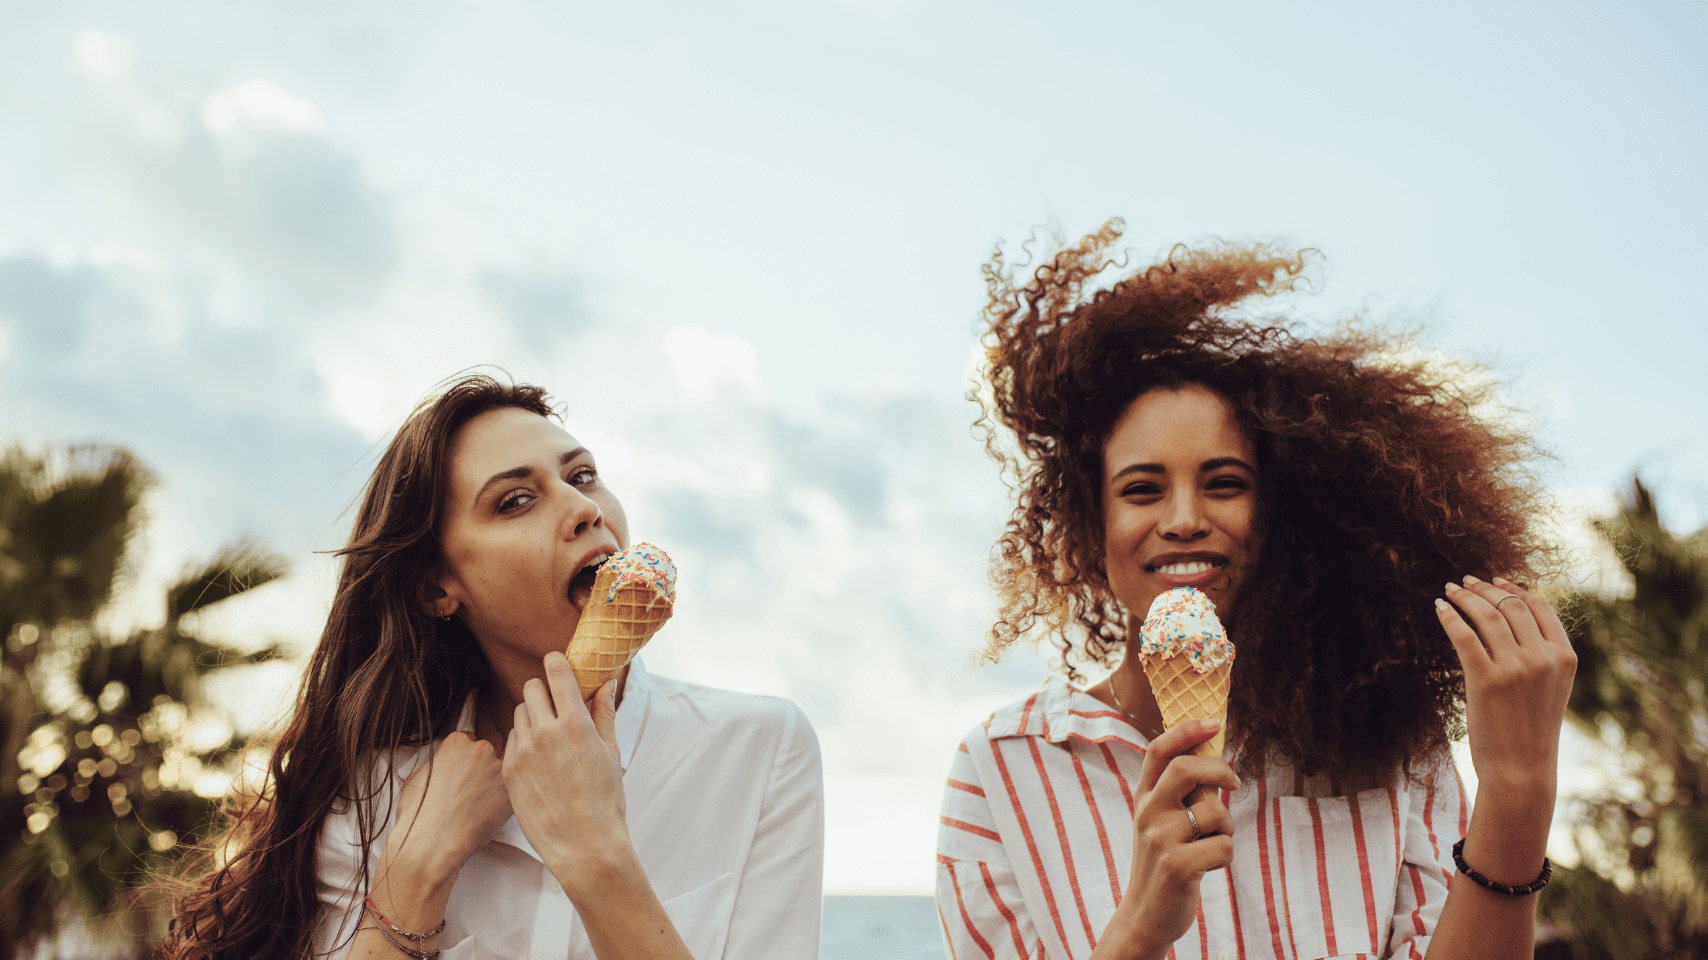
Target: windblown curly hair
{"x":1380,"y":479}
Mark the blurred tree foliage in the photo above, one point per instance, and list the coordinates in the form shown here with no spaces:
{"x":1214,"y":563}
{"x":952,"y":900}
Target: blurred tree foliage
{"x":1641,"y":889}
{"x":104,"y":738}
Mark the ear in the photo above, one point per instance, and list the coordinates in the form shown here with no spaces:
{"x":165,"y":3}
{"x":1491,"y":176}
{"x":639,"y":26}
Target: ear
{"x":433,"y":597}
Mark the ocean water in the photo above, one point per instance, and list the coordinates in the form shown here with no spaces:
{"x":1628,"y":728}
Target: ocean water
{"x":881,"y":928}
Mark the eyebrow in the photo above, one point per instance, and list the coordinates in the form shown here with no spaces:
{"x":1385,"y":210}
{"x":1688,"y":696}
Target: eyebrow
{"x":1214,"y":463}
{"x":519,"y":473}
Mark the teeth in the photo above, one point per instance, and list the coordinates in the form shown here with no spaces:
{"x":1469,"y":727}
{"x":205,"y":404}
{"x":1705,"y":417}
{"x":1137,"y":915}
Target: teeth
{"x":1185,"y":569}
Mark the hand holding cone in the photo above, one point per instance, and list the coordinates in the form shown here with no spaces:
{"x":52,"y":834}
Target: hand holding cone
{"x":633,"y":595}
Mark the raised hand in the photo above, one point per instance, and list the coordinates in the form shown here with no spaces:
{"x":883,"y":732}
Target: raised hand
{"x":565,"y":782}
{"x":449,"y":808}
{"x":1518,"y":667}
{"x":1169,"y":857}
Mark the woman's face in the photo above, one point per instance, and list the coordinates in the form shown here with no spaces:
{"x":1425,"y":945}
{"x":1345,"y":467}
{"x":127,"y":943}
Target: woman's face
{"x":1179,"y":499}
{"x":524,"y":516}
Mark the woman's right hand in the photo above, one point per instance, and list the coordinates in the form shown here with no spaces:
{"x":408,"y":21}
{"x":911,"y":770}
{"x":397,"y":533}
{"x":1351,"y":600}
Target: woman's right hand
{"x":1161,"y":899}
{"x":447,"y":810}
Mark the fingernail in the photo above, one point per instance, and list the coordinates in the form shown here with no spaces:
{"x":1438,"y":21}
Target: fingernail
{"x":1470,"y":579}
{"x":1440,"y":604}
{"x":1451,"y":586}
{"x":1211,"y":725}
{"x":1498,"y":581}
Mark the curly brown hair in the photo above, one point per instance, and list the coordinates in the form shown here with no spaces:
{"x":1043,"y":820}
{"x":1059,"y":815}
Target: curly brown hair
{"x":1381,"y":477}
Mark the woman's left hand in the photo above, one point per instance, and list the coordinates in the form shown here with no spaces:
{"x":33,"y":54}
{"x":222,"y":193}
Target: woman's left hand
{"x":1518,"y":667}
{"x":566,"y":785}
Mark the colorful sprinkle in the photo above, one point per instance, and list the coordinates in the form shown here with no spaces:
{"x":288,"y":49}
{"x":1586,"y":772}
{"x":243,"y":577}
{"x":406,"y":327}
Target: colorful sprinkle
{"x":641,"y":563}
{"x":1183,"y":620}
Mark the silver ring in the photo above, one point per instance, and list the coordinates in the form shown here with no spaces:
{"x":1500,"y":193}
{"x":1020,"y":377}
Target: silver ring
{"x":1510,"y":596}
{"x":1197,"y":831}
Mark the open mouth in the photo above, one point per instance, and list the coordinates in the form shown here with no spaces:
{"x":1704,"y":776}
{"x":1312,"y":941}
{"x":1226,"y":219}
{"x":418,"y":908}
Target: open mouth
{"x":581,"y":585}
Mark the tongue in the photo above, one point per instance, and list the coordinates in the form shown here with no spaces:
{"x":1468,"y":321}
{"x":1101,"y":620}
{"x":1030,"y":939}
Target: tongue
{"x":581,"y":587}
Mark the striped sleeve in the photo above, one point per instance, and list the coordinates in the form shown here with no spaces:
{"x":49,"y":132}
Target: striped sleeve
{"x":1439,"y":814}
{"x":978,"y":897}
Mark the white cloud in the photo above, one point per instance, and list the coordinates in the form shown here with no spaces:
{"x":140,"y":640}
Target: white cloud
{"x":258,"y":106}
{"x":704,"y":362}
{"x":102,"y":54}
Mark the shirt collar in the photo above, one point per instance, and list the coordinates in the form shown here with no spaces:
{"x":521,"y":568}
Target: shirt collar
{"x":1058,"y":712}
{"x":631,"y":713}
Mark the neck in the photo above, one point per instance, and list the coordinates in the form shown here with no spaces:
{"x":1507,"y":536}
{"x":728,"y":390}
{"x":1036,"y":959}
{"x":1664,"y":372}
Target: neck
{"x":1133,"y":691}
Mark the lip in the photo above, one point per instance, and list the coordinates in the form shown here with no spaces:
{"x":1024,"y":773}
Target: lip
{"x":1218,"y":564}
{"x":595,"y":555}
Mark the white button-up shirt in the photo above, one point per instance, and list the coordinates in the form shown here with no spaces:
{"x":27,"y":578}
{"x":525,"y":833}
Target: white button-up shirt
{"x":725,"y":801}
{"x":1036,"y":843}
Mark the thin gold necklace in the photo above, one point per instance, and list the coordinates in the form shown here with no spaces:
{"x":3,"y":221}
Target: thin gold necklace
{"x":1128,"y":713}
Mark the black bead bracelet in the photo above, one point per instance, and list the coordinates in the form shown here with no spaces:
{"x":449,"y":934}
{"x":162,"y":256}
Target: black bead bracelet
{"x":1508,"y":889}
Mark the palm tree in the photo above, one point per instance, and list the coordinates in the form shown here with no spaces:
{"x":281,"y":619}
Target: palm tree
{"x":99,"y":772}
{"x":1641,"y":888}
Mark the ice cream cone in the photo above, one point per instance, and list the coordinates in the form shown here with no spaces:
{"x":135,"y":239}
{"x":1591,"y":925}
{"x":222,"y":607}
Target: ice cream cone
{"x":1183,"y":694}
{"x":633,"y":595}
{"x":1187,"y":656}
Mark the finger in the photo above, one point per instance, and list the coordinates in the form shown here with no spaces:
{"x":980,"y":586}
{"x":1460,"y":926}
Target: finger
{"x":1472,"y":654}
{"x":1186,"y":774}
{"x":1491,"y":627}
{"x":521,"y":726}
{"x":1213,"y":818}
{"x":561,"y":676}
{"x":1519,"y":620}
{"x":1202,"y":856}
{"x":1547,"y":621}
{"x":538,"y":699}
{"x":1173,"y":743}
{"x":605,"y":713}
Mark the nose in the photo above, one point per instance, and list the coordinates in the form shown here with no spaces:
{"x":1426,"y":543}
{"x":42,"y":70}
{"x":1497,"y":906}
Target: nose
{"x":583,"y":514}
{"x":1184,"y":520}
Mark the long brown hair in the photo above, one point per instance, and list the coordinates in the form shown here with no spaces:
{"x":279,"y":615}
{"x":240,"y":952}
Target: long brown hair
{"x":1379,"y":481}
{"x":385,"y":675}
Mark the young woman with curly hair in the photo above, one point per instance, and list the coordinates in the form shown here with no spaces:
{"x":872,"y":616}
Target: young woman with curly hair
{"x":1320,"y":491}
{"x":441,"y":790}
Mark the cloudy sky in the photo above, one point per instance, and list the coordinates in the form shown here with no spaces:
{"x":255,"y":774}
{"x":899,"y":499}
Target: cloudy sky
{"x":741,"y":243}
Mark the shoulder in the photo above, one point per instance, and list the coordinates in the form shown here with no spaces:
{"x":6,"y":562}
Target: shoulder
{"x":727,"y":721}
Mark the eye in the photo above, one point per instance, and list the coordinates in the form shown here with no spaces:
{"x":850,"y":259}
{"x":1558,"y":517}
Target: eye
{"x":1228,"y":484}
{"x":514,"y":500}
{"x":583,"y":476}
{"x":1143,"y":488}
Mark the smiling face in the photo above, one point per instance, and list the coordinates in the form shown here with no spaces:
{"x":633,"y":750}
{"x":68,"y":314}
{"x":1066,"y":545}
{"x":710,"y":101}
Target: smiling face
{"x":1179,"y":499}
{"x":524,"y":516}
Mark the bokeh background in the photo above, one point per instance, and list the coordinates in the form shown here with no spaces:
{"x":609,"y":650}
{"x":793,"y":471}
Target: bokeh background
{"x":741,"y":243}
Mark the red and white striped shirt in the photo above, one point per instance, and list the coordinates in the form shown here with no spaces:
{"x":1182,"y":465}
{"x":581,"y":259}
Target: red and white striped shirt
{"x":1036,"y":844}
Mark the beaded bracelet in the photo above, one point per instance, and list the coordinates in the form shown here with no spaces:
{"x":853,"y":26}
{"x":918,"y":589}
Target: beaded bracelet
{"x":1508,"y":889}
{"x":387,"y":929}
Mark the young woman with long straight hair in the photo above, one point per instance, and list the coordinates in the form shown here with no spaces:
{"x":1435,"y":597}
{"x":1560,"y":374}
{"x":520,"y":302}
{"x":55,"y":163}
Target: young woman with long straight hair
{"x":1166,"y":433}
{"x":442,"y":790}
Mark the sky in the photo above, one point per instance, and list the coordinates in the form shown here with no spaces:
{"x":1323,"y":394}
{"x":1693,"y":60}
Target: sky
{"x":741,"y":244}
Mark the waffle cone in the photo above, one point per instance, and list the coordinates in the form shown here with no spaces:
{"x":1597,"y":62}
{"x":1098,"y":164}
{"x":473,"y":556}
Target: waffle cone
{"x":612,"y":632}
{"x":1184,"y":694}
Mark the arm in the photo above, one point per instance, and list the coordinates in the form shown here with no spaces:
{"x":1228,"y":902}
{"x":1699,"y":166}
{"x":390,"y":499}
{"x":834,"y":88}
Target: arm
{"x":1518,"y":674}
{"x":1161,"y":899}
{"x":446,"y":811}
{"x":779,"y":905}
{"x":979,"y":902}
{"x":561,"y":769}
